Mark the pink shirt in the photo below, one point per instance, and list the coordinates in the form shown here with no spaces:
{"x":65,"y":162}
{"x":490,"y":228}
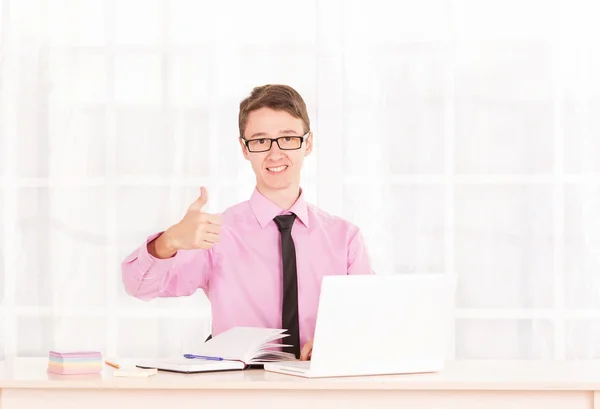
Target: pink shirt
{"x":242,"y":274}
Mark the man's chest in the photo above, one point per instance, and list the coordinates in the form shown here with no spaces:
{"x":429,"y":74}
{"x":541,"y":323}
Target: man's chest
{"x":254,"y":262}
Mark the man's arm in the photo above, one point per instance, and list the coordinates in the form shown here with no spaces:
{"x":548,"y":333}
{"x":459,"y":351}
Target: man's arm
{"x":146,"y":276}
{"x":175,"y":262}
{"x":162,"y":247}
{"x":359,"y":261}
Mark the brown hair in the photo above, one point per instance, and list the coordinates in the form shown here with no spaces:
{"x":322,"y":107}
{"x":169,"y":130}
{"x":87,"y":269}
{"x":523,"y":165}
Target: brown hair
{"x":277,"y":97}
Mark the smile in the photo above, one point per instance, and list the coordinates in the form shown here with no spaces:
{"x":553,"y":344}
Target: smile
{"x":278,"y":169}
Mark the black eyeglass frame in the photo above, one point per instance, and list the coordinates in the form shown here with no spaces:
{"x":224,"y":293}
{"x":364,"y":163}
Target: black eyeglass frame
{"x":302,"y":139}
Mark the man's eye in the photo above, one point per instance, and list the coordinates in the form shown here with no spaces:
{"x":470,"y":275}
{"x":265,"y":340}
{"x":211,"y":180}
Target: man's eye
{"x":262,"y":141}
{"x":288,"y":139}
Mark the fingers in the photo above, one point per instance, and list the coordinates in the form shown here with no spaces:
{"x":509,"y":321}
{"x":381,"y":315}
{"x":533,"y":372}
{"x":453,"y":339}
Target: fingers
{"x":211,"y":237}
{"x":204,"y":241}
{"x":200,"y":230}
{"x":204,"y":245}
{"x":306,"y":352}
{"x":212,"y":218}
{"x":199,"y":204}
{"x":201,"y":201}
{"x":213,"y":228}
{"x":203,"y":194}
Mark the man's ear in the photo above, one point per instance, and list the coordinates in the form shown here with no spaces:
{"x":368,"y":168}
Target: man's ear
{"x":309,"y":144}
{"x":244,"y":150}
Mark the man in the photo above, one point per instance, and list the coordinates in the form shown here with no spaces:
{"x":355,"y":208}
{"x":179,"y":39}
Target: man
{"x":261,"y":262}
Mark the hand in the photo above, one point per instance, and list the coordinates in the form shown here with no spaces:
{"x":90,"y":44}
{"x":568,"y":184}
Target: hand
{"x":197,"y":229}
{"x":306,"y":353}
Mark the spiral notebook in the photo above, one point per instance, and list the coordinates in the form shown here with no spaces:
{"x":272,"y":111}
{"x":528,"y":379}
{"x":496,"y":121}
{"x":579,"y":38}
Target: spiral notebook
{"x":235,"y":349}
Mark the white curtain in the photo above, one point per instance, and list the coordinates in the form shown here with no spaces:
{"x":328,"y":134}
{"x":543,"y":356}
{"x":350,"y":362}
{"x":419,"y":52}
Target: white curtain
{"x":461,"y":136}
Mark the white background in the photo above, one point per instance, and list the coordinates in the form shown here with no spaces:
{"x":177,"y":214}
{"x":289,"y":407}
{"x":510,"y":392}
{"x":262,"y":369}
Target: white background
{"x":461,"y":136}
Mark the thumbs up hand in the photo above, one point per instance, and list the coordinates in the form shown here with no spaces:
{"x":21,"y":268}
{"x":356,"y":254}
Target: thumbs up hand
{"x":197,"y":229}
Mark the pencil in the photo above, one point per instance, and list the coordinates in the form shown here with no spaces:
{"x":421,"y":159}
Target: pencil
{"x":112,"y":364}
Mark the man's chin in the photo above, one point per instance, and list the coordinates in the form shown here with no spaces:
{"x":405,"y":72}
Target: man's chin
{"x":276,"y":184}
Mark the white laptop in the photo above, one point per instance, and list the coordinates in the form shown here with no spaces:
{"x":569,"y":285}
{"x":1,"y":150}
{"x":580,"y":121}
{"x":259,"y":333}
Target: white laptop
{"x":379,"y":324}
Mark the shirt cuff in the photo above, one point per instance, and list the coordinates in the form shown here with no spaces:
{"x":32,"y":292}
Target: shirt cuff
{"x":147,"y":261}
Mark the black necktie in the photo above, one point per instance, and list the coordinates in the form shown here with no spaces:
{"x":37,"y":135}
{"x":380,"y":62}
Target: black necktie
{"x":289,"y":311}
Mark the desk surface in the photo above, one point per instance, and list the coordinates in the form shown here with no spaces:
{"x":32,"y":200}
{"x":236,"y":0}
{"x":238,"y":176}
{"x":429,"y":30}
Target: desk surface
{"x":460,"y":375}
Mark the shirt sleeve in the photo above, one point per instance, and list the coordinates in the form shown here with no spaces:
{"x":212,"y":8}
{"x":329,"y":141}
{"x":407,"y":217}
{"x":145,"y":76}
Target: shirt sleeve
{"x":359,"y":261}
{"x":146,"y":277}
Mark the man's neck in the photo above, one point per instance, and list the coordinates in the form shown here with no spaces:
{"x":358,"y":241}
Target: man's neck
{"x":284,"y":198}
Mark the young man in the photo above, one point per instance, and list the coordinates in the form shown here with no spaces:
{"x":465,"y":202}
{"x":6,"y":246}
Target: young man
{"x":261,"y":262}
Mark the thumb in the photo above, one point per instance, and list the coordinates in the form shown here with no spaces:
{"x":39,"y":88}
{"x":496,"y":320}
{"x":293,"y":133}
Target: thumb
{"x":201,"y":201}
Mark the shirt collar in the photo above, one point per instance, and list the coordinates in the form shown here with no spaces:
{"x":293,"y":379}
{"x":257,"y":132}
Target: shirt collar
{"x":265,"y":210}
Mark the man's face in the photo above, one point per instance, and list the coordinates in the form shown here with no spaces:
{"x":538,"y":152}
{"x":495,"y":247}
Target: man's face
{"x":277,"y":168}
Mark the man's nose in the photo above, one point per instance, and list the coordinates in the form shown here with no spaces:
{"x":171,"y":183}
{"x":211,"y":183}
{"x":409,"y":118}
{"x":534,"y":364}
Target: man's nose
{"x":275,"y":152}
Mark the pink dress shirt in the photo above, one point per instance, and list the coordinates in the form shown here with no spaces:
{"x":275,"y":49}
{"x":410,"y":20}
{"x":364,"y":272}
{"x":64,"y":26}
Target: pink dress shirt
{"x":242,"y":274}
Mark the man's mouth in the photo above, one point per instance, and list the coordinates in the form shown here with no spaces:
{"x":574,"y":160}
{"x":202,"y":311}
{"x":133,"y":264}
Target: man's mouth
{"x":277,"y":169}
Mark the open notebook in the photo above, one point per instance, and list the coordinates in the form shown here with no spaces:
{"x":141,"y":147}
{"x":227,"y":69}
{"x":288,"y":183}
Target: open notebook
{"x":235,"y":349}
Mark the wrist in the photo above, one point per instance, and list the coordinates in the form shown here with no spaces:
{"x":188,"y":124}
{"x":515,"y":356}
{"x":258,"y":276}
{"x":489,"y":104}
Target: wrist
{"x":165,"y":246}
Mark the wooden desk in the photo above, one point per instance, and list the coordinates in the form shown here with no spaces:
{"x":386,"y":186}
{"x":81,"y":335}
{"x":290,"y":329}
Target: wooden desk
{"x":24,"y":383}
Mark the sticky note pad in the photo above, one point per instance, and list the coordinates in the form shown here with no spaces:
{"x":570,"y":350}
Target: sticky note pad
{"x":75,"y":363}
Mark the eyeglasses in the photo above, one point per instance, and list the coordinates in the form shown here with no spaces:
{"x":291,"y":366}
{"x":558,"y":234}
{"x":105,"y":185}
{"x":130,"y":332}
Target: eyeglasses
{"x":285,"y":143}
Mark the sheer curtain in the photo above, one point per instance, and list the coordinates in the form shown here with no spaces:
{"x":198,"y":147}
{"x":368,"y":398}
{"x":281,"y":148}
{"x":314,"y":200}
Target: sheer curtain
{"x":461,"y":136}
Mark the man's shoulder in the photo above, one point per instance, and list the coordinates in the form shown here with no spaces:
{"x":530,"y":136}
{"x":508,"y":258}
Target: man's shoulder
{"x":329,"y":220}
{"x":236,"y":210}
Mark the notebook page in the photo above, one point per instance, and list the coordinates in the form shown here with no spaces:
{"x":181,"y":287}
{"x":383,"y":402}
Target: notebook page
{"x":238,"y":343}
{"x":270,"y":350}
{"x":272,"y":356}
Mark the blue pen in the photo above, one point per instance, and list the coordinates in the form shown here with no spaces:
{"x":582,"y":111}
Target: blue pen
{"x":210,"y":358}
